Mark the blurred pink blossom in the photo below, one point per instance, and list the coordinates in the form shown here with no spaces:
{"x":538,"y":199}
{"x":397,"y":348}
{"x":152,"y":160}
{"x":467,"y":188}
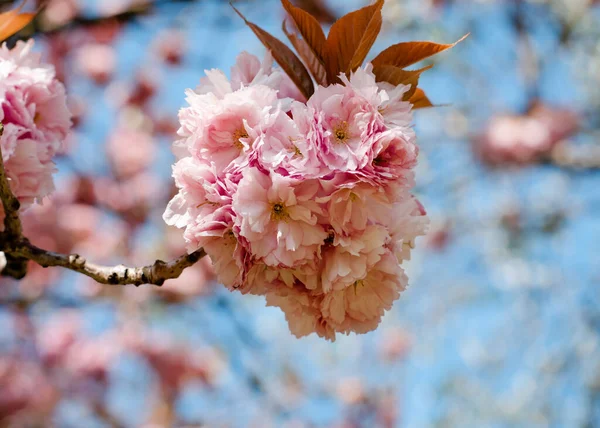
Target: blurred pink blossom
{"x":97,"y":61}
{"x":132,"y":198}
{"x":174,"y":363}
{"x":24,"y":386}
{"x":525,"y":139}
{"x":170,"y":46}
{"x":395,"y":344}
{"x":351,"y":390}
{"x":60,"y":12}
{"x":130,"y":151}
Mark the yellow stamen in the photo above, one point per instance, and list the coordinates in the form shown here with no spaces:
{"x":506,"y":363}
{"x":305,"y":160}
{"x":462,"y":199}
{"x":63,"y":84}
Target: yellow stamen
{"x":356,"y":285}
{"x":278,"y":212}
{"x":214,"y":204}
{"x":330,"y":238}
{"x":238,"y":134}
{"x":341,"y":133}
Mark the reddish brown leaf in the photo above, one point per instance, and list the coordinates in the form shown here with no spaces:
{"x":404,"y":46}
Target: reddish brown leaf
{"x":315,"y":67}
{"x":309,"y":28}
{"x":318,"y":9}
{"x":397,"y":76}
{"x":420,"y":100}
{"x":351,"y":38}
{"x":13,"y":21}
{"x":284,"y":56}
{"x":408,"y":53}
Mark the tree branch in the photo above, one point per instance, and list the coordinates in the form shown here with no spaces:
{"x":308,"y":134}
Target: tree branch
{"x":156,"y":273}
{"x":19,"y":250}
{"x":12,"y":223}
{"x":135,"y":11}
{"x":16,"y":267}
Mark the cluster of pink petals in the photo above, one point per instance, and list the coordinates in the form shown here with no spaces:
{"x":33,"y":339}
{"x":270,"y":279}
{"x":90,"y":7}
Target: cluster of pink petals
{"x":304,"y":201}
{"x":36,"y":121}
{"x":512,"y":139}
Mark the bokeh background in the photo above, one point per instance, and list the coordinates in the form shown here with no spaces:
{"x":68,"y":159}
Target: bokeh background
{"x":500,"y":326}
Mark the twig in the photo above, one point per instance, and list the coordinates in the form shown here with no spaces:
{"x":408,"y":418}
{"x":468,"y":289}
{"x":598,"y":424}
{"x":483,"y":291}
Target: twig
{"x":127,"y":15}
{"x":156,"y":273}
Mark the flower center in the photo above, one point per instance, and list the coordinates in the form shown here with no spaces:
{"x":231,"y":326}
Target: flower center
{"x":229,"y":238}
{"x":278,"y":212}
{"x":330,"y":238}
{"x":297,"y":151}
{"x":294,"y":149}
{"x":214,"y":204}
{"x":357,"y":284}
{"x":238,"y":134}
{"x":340,"y":132}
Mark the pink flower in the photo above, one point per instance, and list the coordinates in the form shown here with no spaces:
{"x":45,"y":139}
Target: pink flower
{"x":342,"y":124}
{"x":222,"y":131}
{"x":32,"y":98}
{"x":357,"y":307}
{"x":130,"y":151}
{"x":302,"y":311}
{"x":406,"y":220}
{"x":228,"y":257}
{"x":360,"y":306}
{"x":97,"y":61}
{"x":30,"y":178}
{"x":36,"y":121}
{"x":250,"y":71}
{"x":385,"y":97}
{"x":203,"y":204}
{"x":278,"y":217}
{"x":396,"y":112}
{"x":307,"y":203}
{"x":171,"y":46}
{"x":60,"y":12}
{"x":349,"y":259}
{"x":261,"y":278}
{"x":394,"y":157}
{"x":284,"y":149}
{"x":512,"y":139}
{"x":350,"y":207}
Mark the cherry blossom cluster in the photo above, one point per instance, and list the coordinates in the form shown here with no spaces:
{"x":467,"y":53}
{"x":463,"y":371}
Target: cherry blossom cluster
{"x":36,"y":121}
{"x":304,"y":201}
